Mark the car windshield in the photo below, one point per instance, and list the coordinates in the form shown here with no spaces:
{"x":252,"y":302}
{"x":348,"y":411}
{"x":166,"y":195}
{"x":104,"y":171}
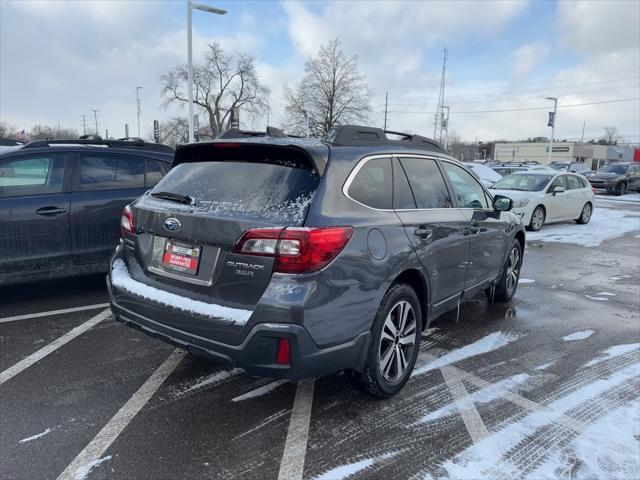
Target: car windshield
{"x":524,"y":182}
{"x":619,"y":169}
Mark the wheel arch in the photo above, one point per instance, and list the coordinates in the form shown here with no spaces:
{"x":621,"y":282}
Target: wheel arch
{"x":415,"y":279}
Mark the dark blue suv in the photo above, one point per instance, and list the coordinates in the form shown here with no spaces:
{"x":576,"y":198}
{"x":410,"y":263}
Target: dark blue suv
{"x":61,"y":200}
{"x":293,"y":257}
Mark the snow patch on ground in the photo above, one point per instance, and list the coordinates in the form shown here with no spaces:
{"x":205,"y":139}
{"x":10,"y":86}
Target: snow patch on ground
{"x":599,"y":299}
{"x":214,"y":379}
{"x":606,"y":294}
{"x":486,"y":344}
{"x":488,"y":394}
{"x":589,"y":457}
{"x":605,"y":224}
{"x":544,"y":366}
{"x":36,"y":436}
{"x":619,"y":277}
{"x":344,"y":471}
{"x":629,"y":197}
{"x":581,"y":335}
{"x":83,"y":471}
{"x":614,"y":351}
{"x":526,"y":280}
{"x":120,"y":278}
{"x":485,"y":459}
{"x":260,"y":391}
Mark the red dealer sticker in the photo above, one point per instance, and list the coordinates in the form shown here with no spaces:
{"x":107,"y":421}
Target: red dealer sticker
{"x":184,"y":258}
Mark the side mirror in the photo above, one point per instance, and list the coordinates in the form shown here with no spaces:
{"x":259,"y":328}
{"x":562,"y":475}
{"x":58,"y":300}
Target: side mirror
{"x":502,"y":203}
{"x":558,"y":189}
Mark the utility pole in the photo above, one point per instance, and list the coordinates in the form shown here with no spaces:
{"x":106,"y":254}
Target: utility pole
{"x":552,"y":124}
{"x":438,"y":118}
{"x":84,"y":124}
{"x":139,"y":111}
{"x":386,"y":108}
{"x":582,"y":137}
{"x":95,"y":118}
{"x":59,"y":134}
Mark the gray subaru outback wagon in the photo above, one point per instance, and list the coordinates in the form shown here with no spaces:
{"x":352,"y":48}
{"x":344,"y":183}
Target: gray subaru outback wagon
{"x":293,"y":258}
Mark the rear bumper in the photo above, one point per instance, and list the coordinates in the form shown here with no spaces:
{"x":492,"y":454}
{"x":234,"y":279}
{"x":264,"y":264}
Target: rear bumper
{"x":257,"y":352}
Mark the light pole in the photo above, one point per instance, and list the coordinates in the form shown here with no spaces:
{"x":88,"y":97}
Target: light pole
{"x":138,"y":103}
{"x":190,"y":7}
{"x":552,"y":121}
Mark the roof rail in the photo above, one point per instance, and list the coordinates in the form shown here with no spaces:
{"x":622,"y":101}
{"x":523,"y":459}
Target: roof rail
{"x":237,"y":133}
{"x":357,"y":135}
{"x":131,"y":142}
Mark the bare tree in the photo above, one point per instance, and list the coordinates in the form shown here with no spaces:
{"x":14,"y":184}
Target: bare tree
{"x":611,"y":136}
{"x":7,"y":130}
{"x":332,"y":92}
{"x":44,"y":132}
{"x":222,"y":83}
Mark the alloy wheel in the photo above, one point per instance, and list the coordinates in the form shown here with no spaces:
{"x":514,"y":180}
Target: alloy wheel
{"x":513,"y":270}
{"x":538,"y":219}
{"x":586,"y":213}
{"x":397,"y":341}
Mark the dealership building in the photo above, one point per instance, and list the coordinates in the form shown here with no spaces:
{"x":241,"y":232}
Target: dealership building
{"x":593,"y":155}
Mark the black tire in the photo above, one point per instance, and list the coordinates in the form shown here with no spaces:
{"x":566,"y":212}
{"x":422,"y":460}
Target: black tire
{"x":535,"y":223}
{"x":621,"y":189}
{"x":372,"y":379}
{"x":508,"y":283}
{"x":585,"y":214}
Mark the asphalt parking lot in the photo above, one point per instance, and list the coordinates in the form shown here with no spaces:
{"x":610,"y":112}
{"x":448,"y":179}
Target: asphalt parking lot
{"x":547,"y":386}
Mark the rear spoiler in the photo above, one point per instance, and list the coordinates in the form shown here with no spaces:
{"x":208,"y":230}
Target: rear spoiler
{"x":314,"y":152}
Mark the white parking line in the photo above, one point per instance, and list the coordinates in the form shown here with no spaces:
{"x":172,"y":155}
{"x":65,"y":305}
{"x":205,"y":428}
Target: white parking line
{"x":52,"y":347}
{"x":53,"y":312}
{"x":103,"y":440}
{"x":295,"y":447}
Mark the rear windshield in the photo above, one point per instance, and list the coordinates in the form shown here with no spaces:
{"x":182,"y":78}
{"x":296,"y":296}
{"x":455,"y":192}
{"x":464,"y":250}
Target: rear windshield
{"x":620,"y":169}
{"x":523,"y":181}
{"x":277,"y":192}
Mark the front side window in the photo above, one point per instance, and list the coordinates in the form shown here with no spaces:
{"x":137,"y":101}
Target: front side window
{"x":104,"y":172}
{"x":373,"y":184}
{"x":469,"y":192}
{"x":32,"y":176}
{"x":559,"y":181}
{"x":427,"y":184}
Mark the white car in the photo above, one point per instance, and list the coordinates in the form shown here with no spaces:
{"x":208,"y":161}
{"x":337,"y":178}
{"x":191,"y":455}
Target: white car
{"x":486,"y":175}
{"x":541,"y":197}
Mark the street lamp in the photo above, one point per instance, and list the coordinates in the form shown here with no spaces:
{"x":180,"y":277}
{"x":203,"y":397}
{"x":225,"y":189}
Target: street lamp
{"x":552,"y":121}
{"x":190,"y":7}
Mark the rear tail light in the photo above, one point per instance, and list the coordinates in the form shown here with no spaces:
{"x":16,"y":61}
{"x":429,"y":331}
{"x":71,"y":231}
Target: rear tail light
{"x":296,"y":250}
{"x":126,"y":222}
{"x":283,"y":355}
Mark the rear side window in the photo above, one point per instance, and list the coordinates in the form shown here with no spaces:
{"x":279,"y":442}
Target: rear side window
{"x":32,"y":175}
{"x":277,"y":191}
{"x":427,"y":184}
{"x":154,"y":173}
{"x":104,"y":172}
{"x":573,"y":183}
{"x":373,"y":184}
{"x":469,"y":192}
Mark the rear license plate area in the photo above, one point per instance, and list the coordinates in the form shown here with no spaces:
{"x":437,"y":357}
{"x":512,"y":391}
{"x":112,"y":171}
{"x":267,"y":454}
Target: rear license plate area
{"x":181,"y":257}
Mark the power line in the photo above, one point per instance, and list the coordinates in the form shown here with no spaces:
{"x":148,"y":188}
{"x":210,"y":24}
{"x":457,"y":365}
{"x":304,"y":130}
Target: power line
{"x":524,"y":109}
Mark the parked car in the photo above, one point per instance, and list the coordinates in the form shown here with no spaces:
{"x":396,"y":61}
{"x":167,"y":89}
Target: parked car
{"x":576,"y":167}
{"x":61,"y":202}
{"x":507,"y":169}
{"x":541,"y":197}
{"x":616,"y":177}
{"x":485,"y":174}
{"x":262,"y":253}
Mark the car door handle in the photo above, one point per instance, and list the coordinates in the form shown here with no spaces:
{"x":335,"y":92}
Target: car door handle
{"x":50,"y":211}
{"x":423,"y":232}
{"x":474,"y":228}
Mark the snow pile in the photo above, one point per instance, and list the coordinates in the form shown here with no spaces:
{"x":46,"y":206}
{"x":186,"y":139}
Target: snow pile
{"x":120,"y":278}
{"x":604,"y":225}
{"x":581,"y":335}
{"x":488,"y":394}
{"x":487,"y":344}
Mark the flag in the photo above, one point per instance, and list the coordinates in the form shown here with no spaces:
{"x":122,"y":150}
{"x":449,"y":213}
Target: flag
{"x":551,"y":119}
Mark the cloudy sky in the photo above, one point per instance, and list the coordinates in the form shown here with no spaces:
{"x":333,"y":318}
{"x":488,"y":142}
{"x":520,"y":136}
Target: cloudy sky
{"x":60,"y":59}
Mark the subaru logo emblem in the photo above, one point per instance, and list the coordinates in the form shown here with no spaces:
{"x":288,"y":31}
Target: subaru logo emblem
{"x":172,"y":224}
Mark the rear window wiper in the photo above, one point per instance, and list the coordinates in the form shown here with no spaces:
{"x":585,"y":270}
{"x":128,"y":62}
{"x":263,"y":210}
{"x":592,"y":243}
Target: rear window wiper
{"x":174,"y":197}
